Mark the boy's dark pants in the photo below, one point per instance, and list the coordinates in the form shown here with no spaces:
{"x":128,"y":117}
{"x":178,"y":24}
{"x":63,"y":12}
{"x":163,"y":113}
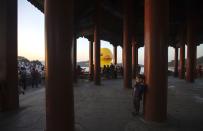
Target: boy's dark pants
{"x":136,"y":102}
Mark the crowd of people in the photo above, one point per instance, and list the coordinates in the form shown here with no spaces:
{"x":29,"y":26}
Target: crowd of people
{"x":107,"y":71}
{"x":199,"y":71}
{"x":29,"y":74}
{"x":112,"y":71}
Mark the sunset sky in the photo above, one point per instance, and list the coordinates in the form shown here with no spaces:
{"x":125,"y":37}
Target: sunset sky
{"x":31,"y":37}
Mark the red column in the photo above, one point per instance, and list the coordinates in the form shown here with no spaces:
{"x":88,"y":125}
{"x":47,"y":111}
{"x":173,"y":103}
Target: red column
{"x":97,"y":45}
{"x":156,"y":62}
{"x":91,"y":68}
{"x":191,"y":51}
{"x":114,"y":54}
{"x":122,"y":57}
{"x":127,"y":45}
{"x":196,"y":62}
{"x":176,"y":62}
{"x":59,"y":80}
{"x":134,"y":58}
{"x":182,"y":62}
{"x":75,"y":59}
{"x":8,"y":55}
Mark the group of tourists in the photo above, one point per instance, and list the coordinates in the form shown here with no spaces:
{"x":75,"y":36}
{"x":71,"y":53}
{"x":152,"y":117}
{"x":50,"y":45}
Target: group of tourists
{"x":199,"y":70}
{"x":112,"y":71}
{"x":25,"y":77}
{"x":109,"y":71}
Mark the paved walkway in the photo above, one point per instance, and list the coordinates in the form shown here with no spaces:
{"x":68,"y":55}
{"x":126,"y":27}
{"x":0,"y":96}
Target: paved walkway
{"x":108,"y":108}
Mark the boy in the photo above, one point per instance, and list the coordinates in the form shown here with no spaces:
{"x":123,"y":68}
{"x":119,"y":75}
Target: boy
{"x":138,"y":92}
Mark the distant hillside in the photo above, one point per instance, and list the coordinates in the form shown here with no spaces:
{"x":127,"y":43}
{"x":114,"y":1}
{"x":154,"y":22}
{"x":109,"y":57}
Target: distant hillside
{"x":23,"y":59}
{"x":199,"y":62}
{"x":36,"y":62}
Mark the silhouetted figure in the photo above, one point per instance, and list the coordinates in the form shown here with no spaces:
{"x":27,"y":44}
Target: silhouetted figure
{"x":115,"y":72}
{"x":35,"y":77}
{"x":121,"y":70}
{"x":20,"y":88}
{"x":138,"y":69}
{"x":112,"y":69}
{"x":79,"y":71}
{"x":104,"y":71}
{"x":200,"y":70}
{"x":38,"y":77}
{"x":107,"y":71}
{"x":91,"y":76}
{"x":23,"y":77}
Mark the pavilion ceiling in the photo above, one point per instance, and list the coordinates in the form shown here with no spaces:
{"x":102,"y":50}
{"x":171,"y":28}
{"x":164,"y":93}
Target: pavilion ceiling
{"x":112,"y":19}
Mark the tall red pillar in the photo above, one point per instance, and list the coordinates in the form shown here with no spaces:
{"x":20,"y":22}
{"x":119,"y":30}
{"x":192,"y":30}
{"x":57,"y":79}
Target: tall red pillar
{"x":156,"y":59}
{"x":114,"y":54}
{"x":127,"y":43}
{"x":8,"y":56}
{"x":122,"y":57}
{"x":182,"y":62}
{"x":176,"y":62}
{"x":59,"y":80}
{"x":134,"y":58}
{"x":97,"y":45}
{"x":91,"y":68}
{"x":191,"y":51}
{"x":195,"y":62}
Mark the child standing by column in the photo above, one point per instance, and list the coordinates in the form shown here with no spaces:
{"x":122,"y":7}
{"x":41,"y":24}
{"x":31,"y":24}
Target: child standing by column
{"x":138,"y":92}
